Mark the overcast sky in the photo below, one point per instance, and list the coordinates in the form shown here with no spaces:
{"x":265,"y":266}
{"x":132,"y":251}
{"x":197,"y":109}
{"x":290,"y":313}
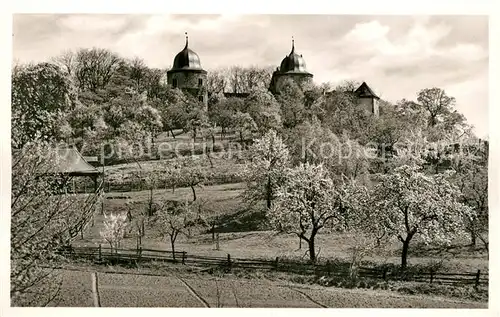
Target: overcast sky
{"x":396,"y":55}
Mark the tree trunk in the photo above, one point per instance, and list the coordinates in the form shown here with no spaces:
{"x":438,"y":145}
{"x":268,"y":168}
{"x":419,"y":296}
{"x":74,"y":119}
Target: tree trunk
{"x":268,"y":193}
{"x":194,"y":193}
{"x":404,"y":254}
{"x":172,"y":244}
{"x":241,"y":137}
{"x":150,"y":210}
{"x":312,"y":251}
{"x":172,"y":132}
{"x":433,"y":120}
{"x":473,"y":238}
{"x":209,"y":159}
{"x":485,"y":242}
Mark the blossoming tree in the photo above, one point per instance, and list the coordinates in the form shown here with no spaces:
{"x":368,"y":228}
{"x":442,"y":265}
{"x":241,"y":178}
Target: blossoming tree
{"x":306,"y":203}
{"x":115,"y":227}
{"x":174,"y":219}
{"x":265,"y":172}
{"x":44,"y":219}
{"x":410,"y":203}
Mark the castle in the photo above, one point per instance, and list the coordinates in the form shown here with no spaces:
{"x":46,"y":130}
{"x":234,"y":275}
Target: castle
{"x":188,"y":75}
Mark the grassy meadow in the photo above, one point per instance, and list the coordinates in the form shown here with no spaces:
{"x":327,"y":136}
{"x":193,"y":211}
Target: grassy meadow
{"x":244,"y":234}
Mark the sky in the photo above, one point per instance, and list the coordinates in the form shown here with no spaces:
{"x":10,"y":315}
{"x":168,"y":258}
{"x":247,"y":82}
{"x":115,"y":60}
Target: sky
{"x":396,"y":55}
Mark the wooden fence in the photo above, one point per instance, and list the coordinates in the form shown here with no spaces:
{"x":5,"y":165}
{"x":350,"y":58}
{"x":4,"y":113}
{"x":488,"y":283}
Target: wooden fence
{"x":107,"y":255}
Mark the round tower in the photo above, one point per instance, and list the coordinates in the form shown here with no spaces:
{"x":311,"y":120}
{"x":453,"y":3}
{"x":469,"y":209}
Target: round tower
{"x":293,"y":66}
{"x":188,"y":75}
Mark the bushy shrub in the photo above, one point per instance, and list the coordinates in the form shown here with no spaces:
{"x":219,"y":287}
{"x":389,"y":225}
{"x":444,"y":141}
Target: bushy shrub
{"x":464,"y":292}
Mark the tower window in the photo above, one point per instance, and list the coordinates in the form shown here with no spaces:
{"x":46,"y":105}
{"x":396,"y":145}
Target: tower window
{"x":200,"y":82}
{"x":200,"y":98}
{"x":174,"y":83}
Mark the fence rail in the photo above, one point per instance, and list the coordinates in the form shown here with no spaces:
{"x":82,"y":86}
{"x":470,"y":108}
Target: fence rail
{"x":103,"y":255}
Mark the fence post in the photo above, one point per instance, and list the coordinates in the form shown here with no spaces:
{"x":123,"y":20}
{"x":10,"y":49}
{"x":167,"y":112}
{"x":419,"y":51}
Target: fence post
{"x":229,"y":260}
{"x":183,"y":257}
{"x":276,"y":263}
{"x":477,"y":277}
{"x":432,"y":276}
{"x":100,"y":253}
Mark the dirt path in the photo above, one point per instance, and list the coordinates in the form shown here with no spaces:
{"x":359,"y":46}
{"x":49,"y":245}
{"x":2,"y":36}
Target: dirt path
{"x":193,"y":292}
{"x":307,"y":297}
{"x":108,"y":289}
{"x":95,"y":290}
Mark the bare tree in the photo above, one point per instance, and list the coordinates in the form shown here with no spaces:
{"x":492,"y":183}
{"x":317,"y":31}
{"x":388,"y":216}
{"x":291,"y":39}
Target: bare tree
{"x":138,"y":72}
{"x":257,"y":77}
{"x":217,"y":80}
{"x":66,"y":61}
{"x":95,"y":68}
{"x":348,"y":86}
{"x":245,"y":79}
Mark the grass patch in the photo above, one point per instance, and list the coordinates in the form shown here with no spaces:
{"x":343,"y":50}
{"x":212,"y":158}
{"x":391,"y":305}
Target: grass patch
{"x":125,"y":177}
{"x":461,"y":292}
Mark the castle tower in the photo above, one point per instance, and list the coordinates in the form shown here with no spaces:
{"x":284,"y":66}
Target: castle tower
{"x":188,"y":75}
{"x":368,"y":99}
{"x":293,"y":66}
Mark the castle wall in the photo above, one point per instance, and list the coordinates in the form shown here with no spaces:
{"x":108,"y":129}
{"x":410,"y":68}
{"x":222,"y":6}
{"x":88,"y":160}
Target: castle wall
{"x":190,"y":82}
{"x":370,"y":104}
{"x":301,"y":79}
{"x":375,"y":107}
{"x":187,"y":79}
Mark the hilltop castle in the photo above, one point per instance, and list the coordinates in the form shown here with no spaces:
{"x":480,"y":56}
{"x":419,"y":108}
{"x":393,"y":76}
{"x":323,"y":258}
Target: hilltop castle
{"x":188,"y":75}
